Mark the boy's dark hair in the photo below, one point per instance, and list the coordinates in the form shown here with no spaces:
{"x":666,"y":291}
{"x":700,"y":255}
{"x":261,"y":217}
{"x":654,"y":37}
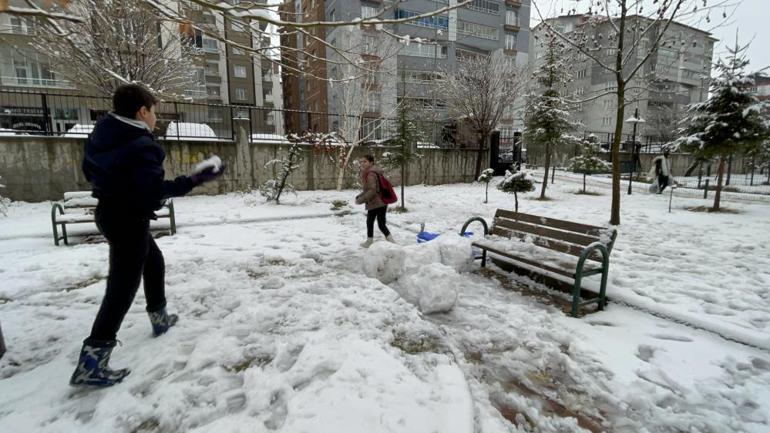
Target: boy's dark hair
{"x":129,"y":98}
{"x":369,"y":157}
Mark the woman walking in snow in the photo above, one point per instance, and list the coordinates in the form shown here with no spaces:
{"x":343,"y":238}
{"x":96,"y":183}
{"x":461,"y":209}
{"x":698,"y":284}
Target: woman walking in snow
{"x":375,"y":207}
{"x":124,"y":165}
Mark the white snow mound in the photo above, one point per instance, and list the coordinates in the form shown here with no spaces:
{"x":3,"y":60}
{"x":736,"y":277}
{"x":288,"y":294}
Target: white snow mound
{"x":455,"y":251}
{"x":433,"y":288}
{"x":420,"y":255}
{"x":384,"y":261}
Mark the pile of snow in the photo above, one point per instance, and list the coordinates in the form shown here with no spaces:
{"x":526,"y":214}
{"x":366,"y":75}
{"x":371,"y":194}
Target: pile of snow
{"x":426,"y":275}
{"x":189,"y":131}
{"x":433,"y":288}
{"x":79,"y":130}
{"x":384,"y":261}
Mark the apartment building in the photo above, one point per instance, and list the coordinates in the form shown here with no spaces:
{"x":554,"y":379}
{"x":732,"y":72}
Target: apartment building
{"x":410,"y":72}
{"x":225,"y":75}
{"x":677,"y":74}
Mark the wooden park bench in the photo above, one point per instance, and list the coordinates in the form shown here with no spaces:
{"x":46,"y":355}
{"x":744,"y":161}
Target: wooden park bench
{"x":78,"y":208}
{"x":546,"y":245}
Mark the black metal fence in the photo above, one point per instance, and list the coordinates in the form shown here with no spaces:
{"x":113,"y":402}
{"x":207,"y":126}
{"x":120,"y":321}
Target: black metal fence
{"x":73,"y":115}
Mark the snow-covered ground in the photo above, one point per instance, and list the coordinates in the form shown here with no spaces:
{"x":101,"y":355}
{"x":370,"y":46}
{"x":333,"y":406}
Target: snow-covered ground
{"x":282,"y":330}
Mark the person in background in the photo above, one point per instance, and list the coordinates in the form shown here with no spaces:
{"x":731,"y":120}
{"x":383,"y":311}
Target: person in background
{"x":375,"y":207}
{"x":124,"y":165}
{"x":661,"y":171}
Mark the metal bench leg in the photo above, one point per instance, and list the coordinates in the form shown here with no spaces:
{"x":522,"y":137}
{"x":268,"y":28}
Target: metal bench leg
{"x":576,"y":295}
{"x":483,"y":258}
{"x":603,"y":288}
{"x":55,"y":234}
{"x":64,"y":233}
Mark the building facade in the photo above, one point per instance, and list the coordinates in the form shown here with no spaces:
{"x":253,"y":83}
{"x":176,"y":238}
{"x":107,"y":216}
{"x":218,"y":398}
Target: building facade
{"x":224,"y":74}
{"x":674,"y":76}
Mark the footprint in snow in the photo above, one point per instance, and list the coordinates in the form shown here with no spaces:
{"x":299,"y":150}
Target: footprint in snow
{"x":672,"y":338}
{"x":645,"y":352}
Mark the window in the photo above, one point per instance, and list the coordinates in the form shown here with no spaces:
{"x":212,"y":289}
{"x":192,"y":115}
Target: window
{"x":239,"y":71}
{"x":368,"y":11}
{"x":19,"y":25}
{"x":582,"y":73}
{"x":200,"y":75}
{"x":420,"y":77}
{"x":210,"y":45}
{"x":424,"y":50}
{"x":433,"y":22}
{"x":486,"y":6}
{"x":373,"y":103}
{"x":511,"y":17}
{"x":237,"y":27}
{"x":606,"y":121}
{"x":510,"y":41}
{"x":332,"y":15}
{"x":240,"y":94}
{"x":468,"y":54}
{"x":212,"y":90}
{"x":212,"y":68}
{"x":476,"y":30}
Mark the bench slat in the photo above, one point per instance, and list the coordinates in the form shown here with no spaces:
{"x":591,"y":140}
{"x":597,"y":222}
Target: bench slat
{"x":575,"y":238}
{"x":551,"y":244}
{"x":551,"y":222}
{"x":507,"y":254}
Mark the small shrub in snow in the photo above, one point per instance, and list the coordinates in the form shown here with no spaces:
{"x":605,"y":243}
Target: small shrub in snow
{"x":273,"y":188}
{"x":514,"y":183}
{"x":486,"y":177}
{"x":589,"y":162}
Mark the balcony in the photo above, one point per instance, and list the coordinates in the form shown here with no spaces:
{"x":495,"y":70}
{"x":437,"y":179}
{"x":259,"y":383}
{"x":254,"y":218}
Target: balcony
{"x":513,"y":3}
{"x":512,"y":27}
{"x":36,"y":82}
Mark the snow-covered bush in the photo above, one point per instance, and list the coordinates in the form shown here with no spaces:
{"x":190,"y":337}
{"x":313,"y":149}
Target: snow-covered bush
{"x":273,"y":188}
{"x":589,"y":162}
{"x":486,"y":177}
{"x":514,"y":183}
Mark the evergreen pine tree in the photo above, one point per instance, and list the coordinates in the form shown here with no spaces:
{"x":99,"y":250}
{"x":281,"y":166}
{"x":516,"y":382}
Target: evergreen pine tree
{"x":728,"y":122}
{"x":547,"y":122}
{"x":408,"y":133}
{"x":514,"y":183}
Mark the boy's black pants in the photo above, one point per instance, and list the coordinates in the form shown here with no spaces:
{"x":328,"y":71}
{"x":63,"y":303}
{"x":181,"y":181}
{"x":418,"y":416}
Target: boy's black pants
{"x":379,"y":215}
{"x":133,"y":255}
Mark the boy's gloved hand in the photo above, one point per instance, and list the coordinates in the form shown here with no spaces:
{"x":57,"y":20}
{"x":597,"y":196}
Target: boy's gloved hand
{"x":208,"y":170}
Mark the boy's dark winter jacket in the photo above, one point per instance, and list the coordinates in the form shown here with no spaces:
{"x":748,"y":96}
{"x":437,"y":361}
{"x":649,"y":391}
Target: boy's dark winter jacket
{"x":124,"y":165}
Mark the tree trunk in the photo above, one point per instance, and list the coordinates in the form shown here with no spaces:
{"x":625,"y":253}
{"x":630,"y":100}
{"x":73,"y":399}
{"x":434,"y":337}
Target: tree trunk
{"x":584,"y":183}
{"x":345,"y":160}
{"x":486,"y":193}
{"x":547,"y":166}
{"x":615,"y":208}
{"x":480,"y":155}
{"x":403,"y":182}
{"x":516,"y":201}
{"x":720,"y":174}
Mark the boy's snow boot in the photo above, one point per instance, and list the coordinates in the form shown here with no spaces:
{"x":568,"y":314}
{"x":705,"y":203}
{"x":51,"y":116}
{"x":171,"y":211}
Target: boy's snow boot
{"x":92,"y":366}
{"x":161,"y":321}
{"x":367,"y":243}
{"x":390,"y":239}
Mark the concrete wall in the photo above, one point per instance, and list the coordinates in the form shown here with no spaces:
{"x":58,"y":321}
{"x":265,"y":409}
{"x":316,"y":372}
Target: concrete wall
{"x":42,"y":168}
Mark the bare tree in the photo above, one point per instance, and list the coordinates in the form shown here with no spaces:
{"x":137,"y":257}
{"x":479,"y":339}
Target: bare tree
{"x":118,"y":42}
{"x":361,"y":95}
{"x":480,"y":89}
{"x":261,"y":20}
{"x":620,"y":36}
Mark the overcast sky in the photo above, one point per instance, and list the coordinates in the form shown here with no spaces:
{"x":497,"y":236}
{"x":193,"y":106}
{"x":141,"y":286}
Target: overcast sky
{"x":751,"y":18}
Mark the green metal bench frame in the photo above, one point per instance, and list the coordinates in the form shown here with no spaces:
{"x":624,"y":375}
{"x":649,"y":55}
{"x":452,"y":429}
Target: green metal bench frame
{"x":604,"y":251}
{"x":57,"y":207}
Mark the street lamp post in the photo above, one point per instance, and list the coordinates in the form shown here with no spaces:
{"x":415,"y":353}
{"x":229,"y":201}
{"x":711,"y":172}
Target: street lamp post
{"x":634,"y":151}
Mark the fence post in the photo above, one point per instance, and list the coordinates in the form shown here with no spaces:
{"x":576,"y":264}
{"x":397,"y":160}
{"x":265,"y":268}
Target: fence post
{"x":706,"y":189}
{"x":2,"y":343}
{"x":729,"y":168}
{"x":176,"y":118}
{"x":46,"y":114}
{"x":700,"y":174}
{"x":553,"y":173}
{"x":751,"y":182}
{"x":244,"y":172}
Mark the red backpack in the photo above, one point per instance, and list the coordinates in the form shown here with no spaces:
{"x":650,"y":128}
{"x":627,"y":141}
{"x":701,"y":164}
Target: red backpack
{"x":387,"y":193}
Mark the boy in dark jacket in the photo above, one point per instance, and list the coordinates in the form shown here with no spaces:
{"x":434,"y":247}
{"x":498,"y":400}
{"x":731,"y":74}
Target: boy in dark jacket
{"x":124,"y":165}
